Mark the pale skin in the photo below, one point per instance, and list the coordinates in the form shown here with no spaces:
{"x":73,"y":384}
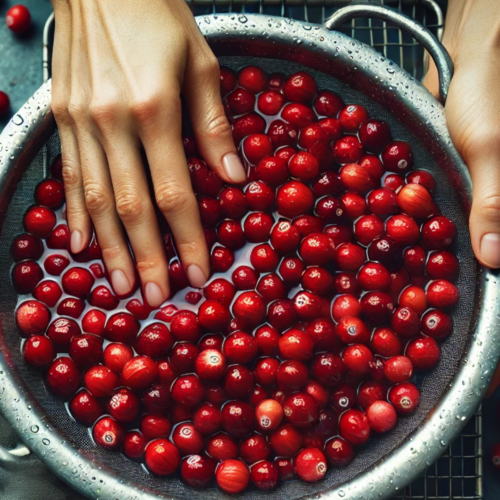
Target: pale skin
{"x":119,"y":72}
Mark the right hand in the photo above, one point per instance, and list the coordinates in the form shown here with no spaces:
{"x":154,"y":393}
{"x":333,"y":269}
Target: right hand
{"x":119,"y":69}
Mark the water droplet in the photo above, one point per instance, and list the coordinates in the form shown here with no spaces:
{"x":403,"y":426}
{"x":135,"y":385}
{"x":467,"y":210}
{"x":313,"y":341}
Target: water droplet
{"x":341,"y":493}
{"x":242,"y":19}
{"x":46,"y":441}
{"x":17,"y":120}
{"x":34,"y":428}
{"x":390,"y":71}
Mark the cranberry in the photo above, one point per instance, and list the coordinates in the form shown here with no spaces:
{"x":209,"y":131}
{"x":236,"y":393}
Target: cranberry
{"x":122,"y":327}
{"x":436,"y":324}
{"x":238,"y":381}
{"x":375,"y":135}
{"x":138,"y":309}
{"x":154,"y":341}
{"x":123,"y":405}
{"x":209,"y":211}
{"x":139,"y":372}
{"x":385,"y":342}
{"x":157,"y":399}
{"x":376,"y":307}
{"x":370,"y":391}
{"x":116,"y":356}
{"x":249,"y":308}
{"x":187,"y":439}
{"x":339,"y":452}
{"x":282,"y":134}
{"x":270,"y":102}
{"x":134,"y":445}
{"x":254,"y":448}
{"x":55,"y":264}
{"x":198,"y":470}
{"x":162,"y":457}
{"x":85,"y":408}
{"x":397,"y":156}
{"x":63,"y":377}
{"x":232,"y":476}
{"x":240,"y":348}
{"x":405,"y":397}
{"x":246,"y":125}
{"x":352,"y":330}
{"x":32,"y":318}
{"x":291,"y":269}
{"x":327,"y":368}
{"x":415,"y":201}
{"x":108,"y":433}
{"x":183,"y":357}
{"x":227,"y":81}
{"x":39,"y":221}
{"x":26,"y":275}
{"x":343,"y":398}
{"x":253,"y":79}
{"x":354,"y":426}
{"x":241,"y":101}
{"x":310,"y":465}
{"x":56,"y":168}
{"x":49,"y":193}
{"x":381,"y":416}
{"x":210,"y":365}
{"x":405,"y":322}
{"x":315,"y":132}
{"x":184,"y":326}
{"x":230,"y":234}
{"x":233,"y":203}
{"x":308,"y":224}
{"x":267,"y":339}
{"x":257,"y":227}
{"x":421,"y":177}
{"x":301,"y":410}
{"x":265,"y":475}
{"x":207,"y":419}
{"x":398,"y":369}
{"x":386,"y":251}
{"x":374,"y":276}
{"x":402,"y":229}
{"x":26,"y":246}
{"x":222,"y":447}
{"x":442,"y":294}
{"x":259,"y":196}
{"x":351,"y":118}
{"x":213,"y":316}
{"x":354,"y":205}
{"x":39,"y":351}
{"x":155,"y":426}
{"x":350,"y":257}
{"x":256,"y":147}
{"x":442,"y":265}
{"x":357,"y":358}
{"x":345,"y":305}
{"x":86,"y":350}
{"x":4,"y":103}
{"x":356,"y":178}
{"x":221,"y":259}
{"x":296,"y":344}
{"x":18,"y":19}
{"x":438,"y":233}
{"x":328,"y":104}
{"x":424,"y":353}
{"x":382,"y":202}
{"x":271,"y":287}
{"x":294,"y":199}
{"x":268,"y":415}
{"x":346,"y":150}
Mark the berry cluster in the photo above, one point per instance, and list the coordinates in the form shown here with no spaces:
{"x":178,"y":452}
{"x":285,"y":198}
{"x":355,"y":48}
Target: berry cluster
{"x":332,"y":283}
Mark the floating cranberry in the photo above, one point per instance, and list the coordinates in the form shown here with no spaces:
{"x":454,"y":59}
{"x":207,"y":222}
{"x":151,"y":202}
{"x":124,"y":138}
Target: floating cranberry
{"x":18,"y":19}
{"x":436,"y":324}
{"x":26,"y":275}
{"x":442,"y":294}
{"x":397,"y":156}
{"x":294,"y":199}
{"x":249,"y":308}
{"x":357,"y":359}
{"x":381,"y":416}
{"x":156,"y":426}
{"x":198,"y":470}
{"x":162,"y":457}
{"x":39,"y":351}
{"x":405,"y":397}
{"x":134,"y":445}
{"x":187,"y":439}
{"x":26,"y":246}
{"x":86,"y":408}
{"x":232,"y":476}
{"x":375,"y":135}
{"x":63,"y":377}
{"x":301,"y":410}
{"x":310,"y":465}
{"x":442,"y":265}
{"x":354,"y":427}
{"x":122,"y":327}
{"x":32,"y":318}
{"x":424,"y":353}
{"x":346,"y":150}
{"x":210,"y":365}
{"x":108,"y":433}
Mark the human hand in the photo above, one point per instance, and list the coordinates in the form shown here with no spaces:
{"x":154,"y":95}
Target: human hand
{"x":472,"y":35}
{"x":119,"y":69}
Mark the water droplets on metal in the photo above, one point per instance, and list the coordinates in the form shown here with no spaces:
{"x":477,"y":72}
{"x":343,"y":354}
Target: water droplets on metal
{"x":34,"y":429}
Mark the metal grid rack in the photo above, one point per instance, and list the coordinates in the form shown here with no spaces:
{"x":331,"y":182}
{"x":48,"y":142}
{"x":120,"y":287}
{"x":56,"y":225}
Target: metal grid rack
{"x":457,"y":475}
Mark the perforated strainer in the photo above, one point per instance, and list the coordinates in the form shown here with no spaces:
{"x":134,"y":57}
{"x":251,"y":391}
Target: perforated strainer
{"x":450,"y":393}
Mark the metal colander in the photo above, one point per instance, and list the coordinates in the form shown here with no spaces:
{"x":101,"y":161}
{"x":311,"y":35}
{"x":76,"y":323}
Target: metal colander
{"x":450,"y":393}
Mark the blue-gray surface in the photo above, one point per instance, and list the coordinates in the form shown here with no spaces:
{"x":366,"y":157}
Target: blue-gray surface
{"x":20,"y":76}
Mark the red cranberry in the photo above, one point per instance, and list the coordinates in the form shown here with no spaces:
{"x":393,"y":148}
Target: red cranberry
{"x":155,"y":426}
{"x":232,"y":476}
{"x":241,"y":101}
{"x":122,"y":327}
{"x":39,"y":351}
{"x":294,"y":199}
{"x":101,"y":381}
{"x":222,"y":447}
{"x":405,"y":397}
{"x":350,"y":257}
{"x":270,"y":102}
{"x":291,"y":375}
{"x":385,"y":342}
{"x":286,"y":440}
{"x":134,"y":445}
{"x":423,"y":352}
{"x":86,"y":350}
{"x":265,"y":475}
{"x":210,"y":365}
{"x":374,"y":276}
{"x":405,"y":322}
{"x":227,"y":81}
{"x":26,"y":246}
{"x":49,"y":193}
{"x":343,"y":398}
{"x":398,"y":369}
{"x":108,"y":433}
{"x":415,"y":201}
{"x":354,"y":426}
{"x":397,"y":156}
{"x":209,"y":211}
{"x":382,"y":202}
{"x":93,"y":322}
{"x":254,"y":448}
{"x":248,"y":124}
{"x":249,"y":308}
{"x":282,"y":134}
{"x":346,"y":150}
{"x":310,"y":465}
{"x":345,"y":305}
{"x":438,"y":233}
{"x":233,"y":203}
{"x":221,"y":259}
{"x":183,"y":357}
{"x":327,"y":183}
{"x":18,"y":19}
{"x":62,"y":331}
{"x":55,"y":264}
{"x":162,"y":457}
{"x":376,"y":307}
{"x":351,"y":118}
{"x":26,"y":275}
{"x":442,"y":294}
{"x":442,"y":265}
{"x":230,"y":234}
{"x":347,"y":283}
{"x":154,"y":341}
{"x":328,"y":104}
{"x":219,"y":290}
{"x":317,"y":249}
{"x":184,"y":326}
{"x":300,"y":87}
{"x":291,"y":269}
{"x":40,"y":221}
{"x":240,"y":348}
{"x":268,"y":415}
{"x":198,"y":470}
{"x":381,"y":416}
{"x":296,"y":344}
{"x":356,"y":178}
{"x":301,"y":410}
{"x":386,"y":251}
{"x":257,"y":227}
{"x":187,"y":439}
{"x":357,"y":358}
{"x":213,"y":316}
{"x":370,"y":391}
{"x":352,"y":330}
{"x":375,"y":135}
{"x":285,"y":237}
{"x":63,"y":377}
{"x":253,"y":79}
{"x":85,"y":408}
{"x":238,"y":382}
{"x":368,"y":228}
{"x":421,"y":177}
{"x":413,"y":297}
{"x":354,"y":205}
{"x":436,"y":324}
{"x":32,"y":318}
{"x":157,"y":399}
{"x":266,"y":370}
{"x":259,"y":196}
{"x":256,"y":147}
{"x":123,"y":405}
{"x":188,"y":390}
{"x":116,"y":356}
{"x":140,"y":372}
{"x":414,"y":260}
{"x":271,"y":287}
{"x":327,"y":368}
{"x":339,"y":452}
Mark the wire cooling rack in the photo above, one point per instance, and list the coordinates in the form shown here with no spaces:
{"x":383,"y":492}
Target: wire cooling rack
{"x":457,"y":475}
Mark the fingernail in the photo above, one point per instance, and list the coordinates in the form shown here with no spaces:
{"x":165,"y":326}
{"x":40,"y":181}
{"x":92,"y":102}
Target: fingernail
{"x":120,"y":283}
{"x":76,"y":241}
{"x":196,"y":276}
{"x":233,"y":167}
{"x":490,"y":250}
{"x":154,"y":295}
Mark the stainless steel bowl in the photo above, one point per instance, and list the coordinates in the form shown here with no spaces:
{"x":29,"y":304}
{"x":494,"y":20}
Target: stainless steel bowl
{"x":451,"y":392}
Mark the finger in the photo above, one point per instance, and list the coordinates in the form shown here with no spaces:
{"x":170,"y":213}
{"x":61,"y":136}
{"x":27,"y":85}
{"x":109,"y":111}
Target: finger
{"x":211,"y":128}
{"x":136,"y":211}
{"x":100,"y":204}
{"x":78,"y":218}
{"x":160,"y":131}
{"x":431,"y":80}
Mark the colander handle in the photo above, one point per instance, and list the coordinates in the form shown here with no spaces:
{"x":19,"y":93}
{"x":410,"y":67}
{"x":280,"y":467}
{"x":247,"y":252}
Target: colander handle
{"x":437,"y":51}
{"x":16,"y":459}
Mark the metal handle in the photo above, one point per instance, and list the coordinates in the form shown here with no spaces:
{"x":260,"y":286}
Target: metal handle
{"x":15,"y":459}
{"x":437,"y":51}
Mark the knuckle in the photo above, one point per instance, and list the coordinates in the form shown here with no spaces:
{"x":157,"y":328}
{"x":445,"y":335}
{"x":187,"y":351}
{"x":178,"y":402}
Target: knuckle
{"x":111,"y":253}
{"x":150,"y":264}
{"x":70,"y":173}
{"x":60,"y":110}
{"x":489,"y":208}
{"x":145,"y":108}
{"x":171,"y":199}
{"x":130,"y":205}
{"x":77,"y":111}
{"x":96,"y":199}
{"x":217,"y":127}
{"x":104,"y":113}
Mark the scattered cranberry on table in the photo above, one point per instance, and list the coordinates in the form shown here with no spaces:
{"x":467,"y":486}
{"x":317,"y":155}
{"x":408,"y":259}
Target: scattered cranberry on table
{"x":4,"y":103}
{"x":333,"y":285}
{"x":18,"y":19}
